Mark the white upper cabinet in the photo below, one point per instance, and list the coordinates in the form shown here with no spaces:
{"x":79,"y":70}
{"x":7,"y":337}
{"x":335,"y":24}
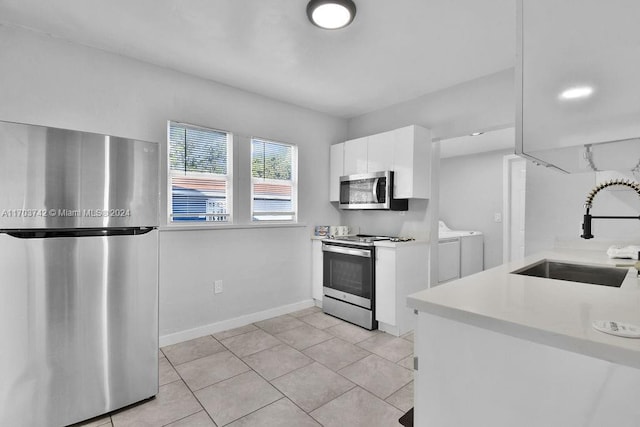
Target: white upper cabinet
{"x":578,"y":83}
{"x":336,"y":170}
{"x":380,"y":153}
{"x":405,"y":151}
{"x":412,"y":163}
{"x":355,"y":156}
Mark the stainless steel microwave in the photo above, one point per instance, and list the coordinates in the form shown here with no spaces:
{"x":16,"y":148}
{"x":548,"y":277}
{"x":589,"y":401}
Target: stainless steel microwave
{"x":370,"y":191}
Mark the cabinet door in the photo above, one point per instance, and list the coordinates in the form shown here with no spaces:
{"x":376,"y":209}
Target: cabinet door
{"x":316,"y":270}
{"x":471,"y":254}
{"x":355,"y":156}
{"x":336,"y":170}
{"x":403,"y":162}
{"x":386,"y":285}
{"x":448,"y":260}
{"x":592,"y":48}
{"x":412,"y":163}
{"x":380,"y":152}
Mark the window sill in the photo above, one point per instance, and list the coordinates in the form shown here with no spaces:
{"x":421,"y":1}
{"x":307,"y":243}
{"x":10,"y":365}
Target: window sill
{"x":191,"y":227}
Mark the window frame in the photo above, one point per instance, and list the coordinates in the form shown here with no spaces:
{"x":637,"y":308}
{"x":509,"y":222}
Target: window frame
{"x":228,"y":178}
{"x":293,"y":182}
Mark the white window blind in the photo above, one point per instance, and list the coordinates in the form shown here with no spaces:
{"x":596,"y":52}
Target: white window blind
{"x":199,"y":174}
{"x":273,"y":181}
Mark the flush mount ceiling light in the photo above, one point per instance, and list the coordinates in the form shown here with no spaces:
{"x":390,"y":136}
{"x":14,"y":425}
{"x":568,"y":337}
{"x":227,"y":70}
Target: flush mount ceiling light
{"x":477,"y":133}
{"x":331,"y":14}
{"x":576,"y":92}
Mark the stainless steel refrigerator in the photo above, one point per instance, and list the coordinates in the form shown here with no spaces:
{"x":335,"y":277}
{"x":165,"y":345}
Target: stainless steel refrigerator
{"x":78,"y":274}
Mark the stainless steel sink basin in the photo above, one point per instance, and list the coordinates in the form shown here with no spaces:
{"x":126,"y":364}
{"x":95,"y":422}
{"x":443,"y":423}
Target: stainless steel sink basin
{"x":595,"y":275}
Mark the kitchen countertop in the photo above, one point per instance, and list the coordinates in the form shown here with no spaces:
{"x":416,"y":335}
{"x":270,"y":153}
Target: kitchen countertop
{"x":384,"y":243}
{"x":550,"y":312}
{"x":390,"y":244}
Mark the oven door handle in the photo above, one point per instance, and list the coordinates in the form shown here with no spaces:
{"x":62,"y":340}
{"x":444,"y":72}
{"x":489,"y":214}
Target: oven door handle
{"x":347,"y":251}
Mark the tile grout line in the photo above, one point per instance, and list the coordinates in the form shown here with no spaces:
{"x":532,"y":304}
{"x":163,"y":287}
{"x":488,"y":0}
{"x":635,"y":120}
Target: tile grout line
{"x":323,"y":365}
{"x":187,"y":416}
{"x":284,"y":396}
{"x":297,"y":369}
{"x":337,"y":397}
{"x":189,"y":388}
{"x":262,"y":407}
{"x":358,"y":385}
{"x":330,"y":335}
{"x":209,"y":385}
{"x":364,"y":388}
{"x":301,"y":351}
{"x":234,"y":376}
{"x":400,"y":409}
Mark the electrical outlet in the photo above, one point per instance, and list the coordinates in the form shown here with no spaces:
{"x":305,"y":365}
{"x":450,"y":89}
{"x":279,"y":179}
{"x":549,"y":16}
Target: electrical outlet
{"x":217,"y":287}
{"x":497,"y":217}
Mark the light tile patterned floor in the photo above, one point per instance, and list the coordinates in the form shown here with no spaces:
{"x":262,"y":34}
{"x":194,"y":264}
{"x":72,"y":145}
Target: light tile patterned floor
{"x":300,"y":369}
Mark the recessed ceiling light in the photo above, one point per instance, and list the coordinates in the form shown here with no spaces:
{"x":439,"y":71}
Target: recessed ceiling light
{"x":576,"y":92}
{"x":331,"y":14}
{"x":477,"y":133}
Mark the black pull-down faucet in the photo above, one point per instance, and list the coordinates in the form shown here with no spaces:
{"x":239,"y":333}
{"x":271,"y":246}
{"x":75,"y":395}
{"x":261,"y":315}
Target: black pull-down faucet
{"x":586,"y":224}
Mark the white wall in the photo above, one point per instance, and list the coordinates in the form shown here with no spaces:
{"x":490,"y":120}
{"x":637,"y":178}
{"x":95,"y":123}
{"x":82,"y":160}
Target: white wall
{"x":555,"y":206}
{"x":486,"y":103}
{"x":51,"y":82}
{"x":470,"y":194}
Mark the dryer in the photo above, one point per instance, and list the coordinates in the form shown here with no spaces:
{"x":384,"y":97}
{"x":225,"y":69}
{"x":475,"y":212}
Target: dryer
{"x":470,"y":255}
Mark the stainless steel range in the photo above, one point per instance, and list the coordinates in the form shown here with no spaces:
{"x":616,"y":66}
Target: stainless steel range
{"x":349,"y":278}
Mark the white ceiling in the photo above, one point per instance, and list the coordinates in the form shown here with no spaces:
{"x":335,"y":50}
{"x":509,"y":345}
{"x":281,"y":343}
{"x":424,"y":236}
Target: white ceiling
{"x":501,"y":139}
{"x":394,"y":51}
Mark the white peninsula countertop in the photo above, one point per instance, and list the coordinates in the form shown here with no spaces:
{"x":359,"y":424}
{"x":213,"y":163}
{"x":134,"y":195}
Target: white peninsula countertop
{"x":550,"y":312}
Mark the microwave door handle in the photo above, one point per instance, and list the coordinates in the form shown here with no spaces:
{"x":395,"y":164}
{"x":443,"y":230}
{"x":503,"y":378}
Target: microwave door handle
{"x":374,"y":192}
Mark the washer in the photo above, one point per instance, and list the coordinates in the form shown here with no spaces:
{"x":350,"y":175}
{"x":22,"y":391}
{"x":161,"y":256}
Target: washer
{"x":471,"y":248}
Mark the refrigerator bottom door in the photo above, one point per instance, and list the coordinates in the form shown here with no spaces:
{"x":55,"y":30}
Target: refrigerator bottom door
{"x":79,"y":324}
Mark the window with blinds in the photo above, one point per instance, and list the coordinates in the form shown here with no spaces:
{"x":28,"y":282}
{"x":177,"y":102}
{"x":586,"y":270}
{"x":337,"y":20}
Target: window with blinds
{"x":200,"y":174}
{"x":273,"y":181}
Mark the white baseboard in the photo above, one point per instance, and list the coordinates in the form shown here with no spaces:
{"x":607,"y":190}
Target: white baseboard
{"x":390,"y":329}
{"x":236,"y":322}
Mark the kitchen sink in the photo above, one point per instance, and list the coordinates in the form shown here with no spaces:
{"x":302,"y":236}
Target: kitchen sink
{"x":595,"y":275}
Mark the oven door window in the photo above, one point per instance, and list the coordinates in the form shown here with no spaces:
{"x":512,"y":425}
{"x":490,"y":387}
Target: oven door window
{"x":348,"y":273}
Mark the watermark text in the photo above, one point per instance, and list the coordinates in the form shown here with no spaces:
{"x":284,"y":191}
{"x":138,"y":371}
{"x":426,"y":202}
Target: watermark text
{"x":61,"y":212}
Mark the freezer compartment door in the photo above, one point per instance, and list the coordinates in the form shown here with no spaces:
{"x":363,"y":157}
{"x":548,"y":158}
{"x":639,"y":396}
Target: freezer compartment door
{"x":58,"y":178}
{"x":79,"y":322}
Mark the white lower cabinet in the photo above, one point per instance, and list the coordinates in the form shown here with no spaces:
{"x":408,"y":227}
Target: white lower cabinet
{"x":401,"y":270}
{"x":471,"y":376}
{"x":316,"y":271}
{"x":386,"y":285}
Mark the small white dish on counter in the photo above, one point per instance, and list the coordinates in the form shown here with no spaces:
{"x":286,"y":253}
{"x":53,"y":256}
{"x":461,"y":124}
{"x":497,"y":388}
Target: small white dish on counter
{"x":619,"y":329}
